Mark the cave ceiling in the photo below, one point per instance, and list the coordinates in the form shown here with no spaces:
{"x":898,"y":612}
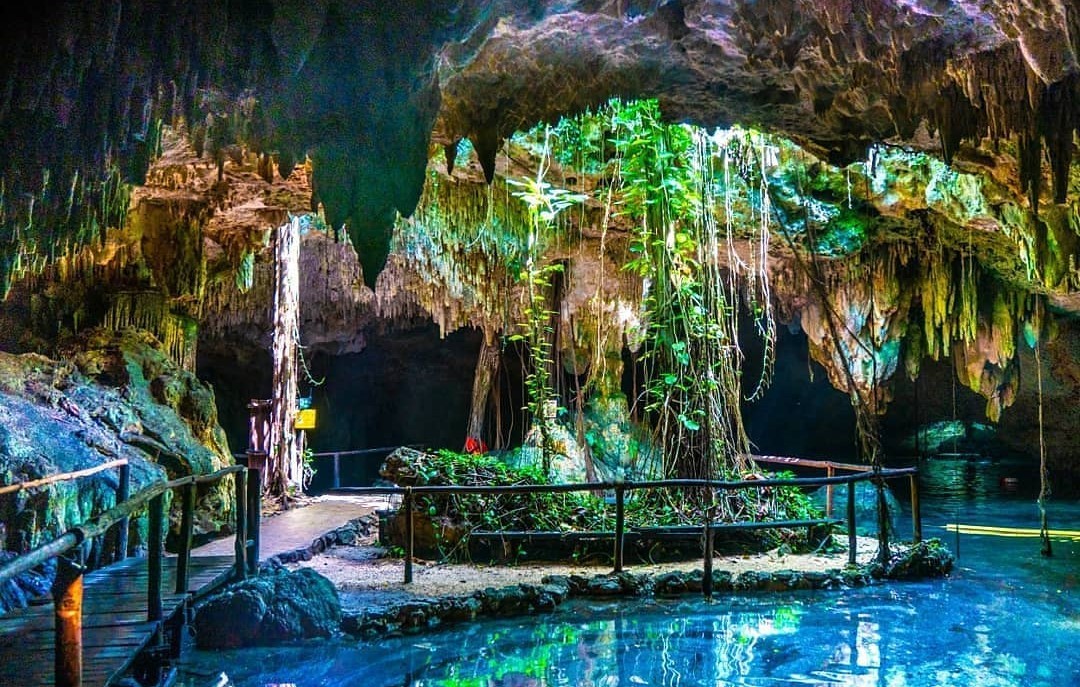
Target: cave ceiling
{"x":364,"y":89}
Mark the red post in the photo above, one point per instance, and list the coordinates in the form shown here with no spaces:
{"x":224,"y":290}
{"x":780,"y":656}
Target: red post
{"x":829,"y":472}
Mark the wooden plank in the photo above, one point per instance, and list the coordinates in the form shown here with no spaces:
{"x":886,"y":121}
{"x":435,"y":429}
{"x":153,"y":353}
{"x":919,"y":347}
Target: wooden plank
{"x":91,"y":637}
{"x":114,"y":621}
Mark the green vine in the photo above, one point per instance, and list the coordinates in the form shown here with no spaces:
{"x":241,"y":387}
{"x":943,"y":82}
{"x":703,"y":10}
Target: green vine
{"x":544,"y":203}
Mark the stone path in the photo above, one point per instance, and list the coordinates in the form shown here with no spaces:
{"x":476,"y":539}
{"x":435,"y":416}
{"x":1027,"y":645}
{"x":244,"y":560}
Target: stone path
{"x":297,"y":528}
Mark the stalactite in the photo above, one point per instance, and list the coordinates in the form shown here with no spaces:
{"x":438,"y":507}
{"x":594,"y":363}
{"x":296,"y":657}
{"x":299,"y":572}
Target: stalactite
{"x":1059,"y":120}
{"x":150,"y":311}
{"x":486,"y":141}
{"x":450,"y":152}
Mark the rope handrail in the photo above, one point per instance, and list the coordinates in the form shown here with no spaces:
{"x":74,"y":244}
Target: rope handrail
{"x":363,"y":451}
{"x":620,"y":488}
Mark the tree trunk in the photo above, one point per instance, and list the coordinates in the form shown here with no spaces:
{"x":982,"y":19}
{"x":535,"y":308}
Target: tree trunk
{"x":284,"y":466}
{"x":487,"y":367}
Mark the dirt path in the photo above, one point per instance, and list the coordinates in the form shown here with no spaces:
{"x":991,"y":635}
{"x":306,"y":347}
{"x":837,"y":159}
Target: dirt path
{"x":295,"y":529}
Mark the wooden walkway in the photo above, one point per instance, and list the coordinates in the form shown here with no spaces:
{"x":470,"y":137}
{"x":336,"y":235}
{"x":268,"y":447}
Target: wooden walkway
{"x":115,"y":627}
{"x":114,"y":613}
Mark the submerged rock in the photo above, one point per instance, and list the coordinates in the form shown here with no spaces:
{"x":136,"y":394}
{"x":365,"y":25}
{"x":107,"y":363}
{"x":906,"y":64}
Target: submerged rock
{"x":930,"y":558}
{"x":278,"y":606}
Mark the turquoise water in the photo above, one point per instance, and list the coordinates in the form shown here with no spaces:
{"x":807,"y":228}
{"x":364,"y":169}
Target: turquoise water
{"x":1008,"y":616}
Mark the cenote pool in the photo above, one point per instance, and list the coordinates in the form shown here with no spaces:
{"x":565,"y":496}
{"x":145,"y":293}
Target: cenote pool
{"x":1006,"y":617}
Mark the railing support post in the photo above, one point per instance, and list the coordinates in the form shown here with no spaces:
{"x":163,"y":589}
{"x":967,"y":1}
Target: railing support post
{"x":123,"y":492}
{"x":829,"y":472}
{"x":916,"y":512}
{"x":706,"y":582}
{"x":254,"y":516}
{"x":620,"y":526}
{"x":155,"y":542}
{"x":337,"y":470}
{"x":240,"y":487}
{"x":853,"y":542}
{"x":67,"y":604}
{"x":407,"y":505}
{"x":883,"y":523}
{"x":187,"y":522}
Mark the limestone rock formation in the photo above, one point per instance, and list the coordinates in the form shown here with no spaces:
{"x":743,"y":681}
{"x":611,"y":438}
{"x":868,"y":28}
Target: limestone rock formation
{"x":110,"y":396}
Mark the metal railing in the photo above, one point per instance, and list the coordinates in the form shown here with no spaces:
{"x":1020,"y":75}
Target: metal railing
{"x":708,"y":527}
{"x":338,"y":455}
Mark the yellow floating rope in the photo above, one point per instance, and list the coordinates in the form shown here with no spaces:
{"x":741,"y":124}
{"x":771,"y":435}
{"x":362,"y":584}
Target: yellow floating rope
{"x":1011,"y":531}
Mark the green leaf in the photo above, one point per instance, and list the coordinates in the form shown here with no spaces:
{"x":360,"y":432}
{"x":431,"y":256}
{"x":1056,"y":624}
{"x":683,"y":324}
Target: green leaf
{"x":689,"y":423}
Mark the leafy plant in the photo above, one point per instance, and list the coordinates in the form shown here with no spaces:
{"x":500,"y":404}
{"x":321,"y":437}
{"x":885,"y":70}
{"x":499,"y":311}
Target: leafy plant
{"x":576,"y":511}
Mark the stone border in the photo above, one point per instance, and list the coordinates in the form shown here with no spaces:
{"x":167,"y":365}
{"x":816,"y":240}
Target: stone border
{"x":416,"y":615}
{"x":925,"y":560}
{"x":348,"y":534}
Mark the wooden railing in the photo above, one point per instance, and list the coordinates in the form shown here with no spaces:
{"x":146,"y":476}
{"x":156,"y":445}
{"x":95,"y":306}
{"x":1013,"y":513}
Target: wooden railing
{"x":831,"y":468}
{"x":68,"y":587}
{"x":123,"y":486}
{"x":707,"y":527}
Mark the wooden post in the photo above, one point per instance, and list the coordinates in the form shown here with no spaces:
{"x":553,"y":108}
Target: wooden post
{"x":883,"y":523}
{"x":916,"y":512}
{"x":853,"y":542}
{"x":254,"y":516}
{"x":123,"y":492}
{"x":240,"y":487}
{"x":706,"y":582}
{"x":407,"y":505}
{"x":620,"y":526}
{"x":829,"y":472}
{"x":67,"y":604}
{"x":187,"y":520}
{"x":154,"y":609}
{"x":337,"y":470}
{"x":176,"y":630}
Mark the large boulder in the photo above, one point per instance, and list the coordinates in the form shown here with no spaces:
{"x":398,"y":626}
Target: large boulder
{"x":275,"y":607}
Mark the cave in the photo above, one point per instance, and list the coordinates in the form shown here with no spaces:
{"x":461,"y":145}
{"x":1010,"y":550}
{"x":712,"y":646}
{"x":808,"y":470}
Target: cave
{"x":267,"y":262}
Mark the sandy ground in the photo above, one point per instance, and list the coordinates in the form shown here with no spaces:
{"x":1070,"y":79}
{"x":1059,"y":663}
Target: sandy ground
{"x":365,"y":579}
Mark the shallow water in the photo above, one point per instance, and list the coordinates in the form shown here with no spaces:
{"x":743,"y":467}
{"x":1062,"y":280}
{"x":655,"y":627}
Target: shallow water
{"x":1007,"y":616}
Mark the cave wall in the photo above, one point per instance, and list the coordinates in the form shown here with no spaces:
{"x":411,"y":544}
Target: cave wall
{"x":216,"y":106}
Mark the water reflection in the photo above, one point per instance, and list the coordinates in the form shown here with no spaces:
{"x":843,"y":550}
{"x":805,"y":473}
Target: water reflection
{"x":922,"y":634}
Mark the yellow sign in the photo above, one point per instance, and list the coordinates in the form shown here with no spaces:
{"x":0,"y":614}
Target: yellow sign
{"x":305,"y":419}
